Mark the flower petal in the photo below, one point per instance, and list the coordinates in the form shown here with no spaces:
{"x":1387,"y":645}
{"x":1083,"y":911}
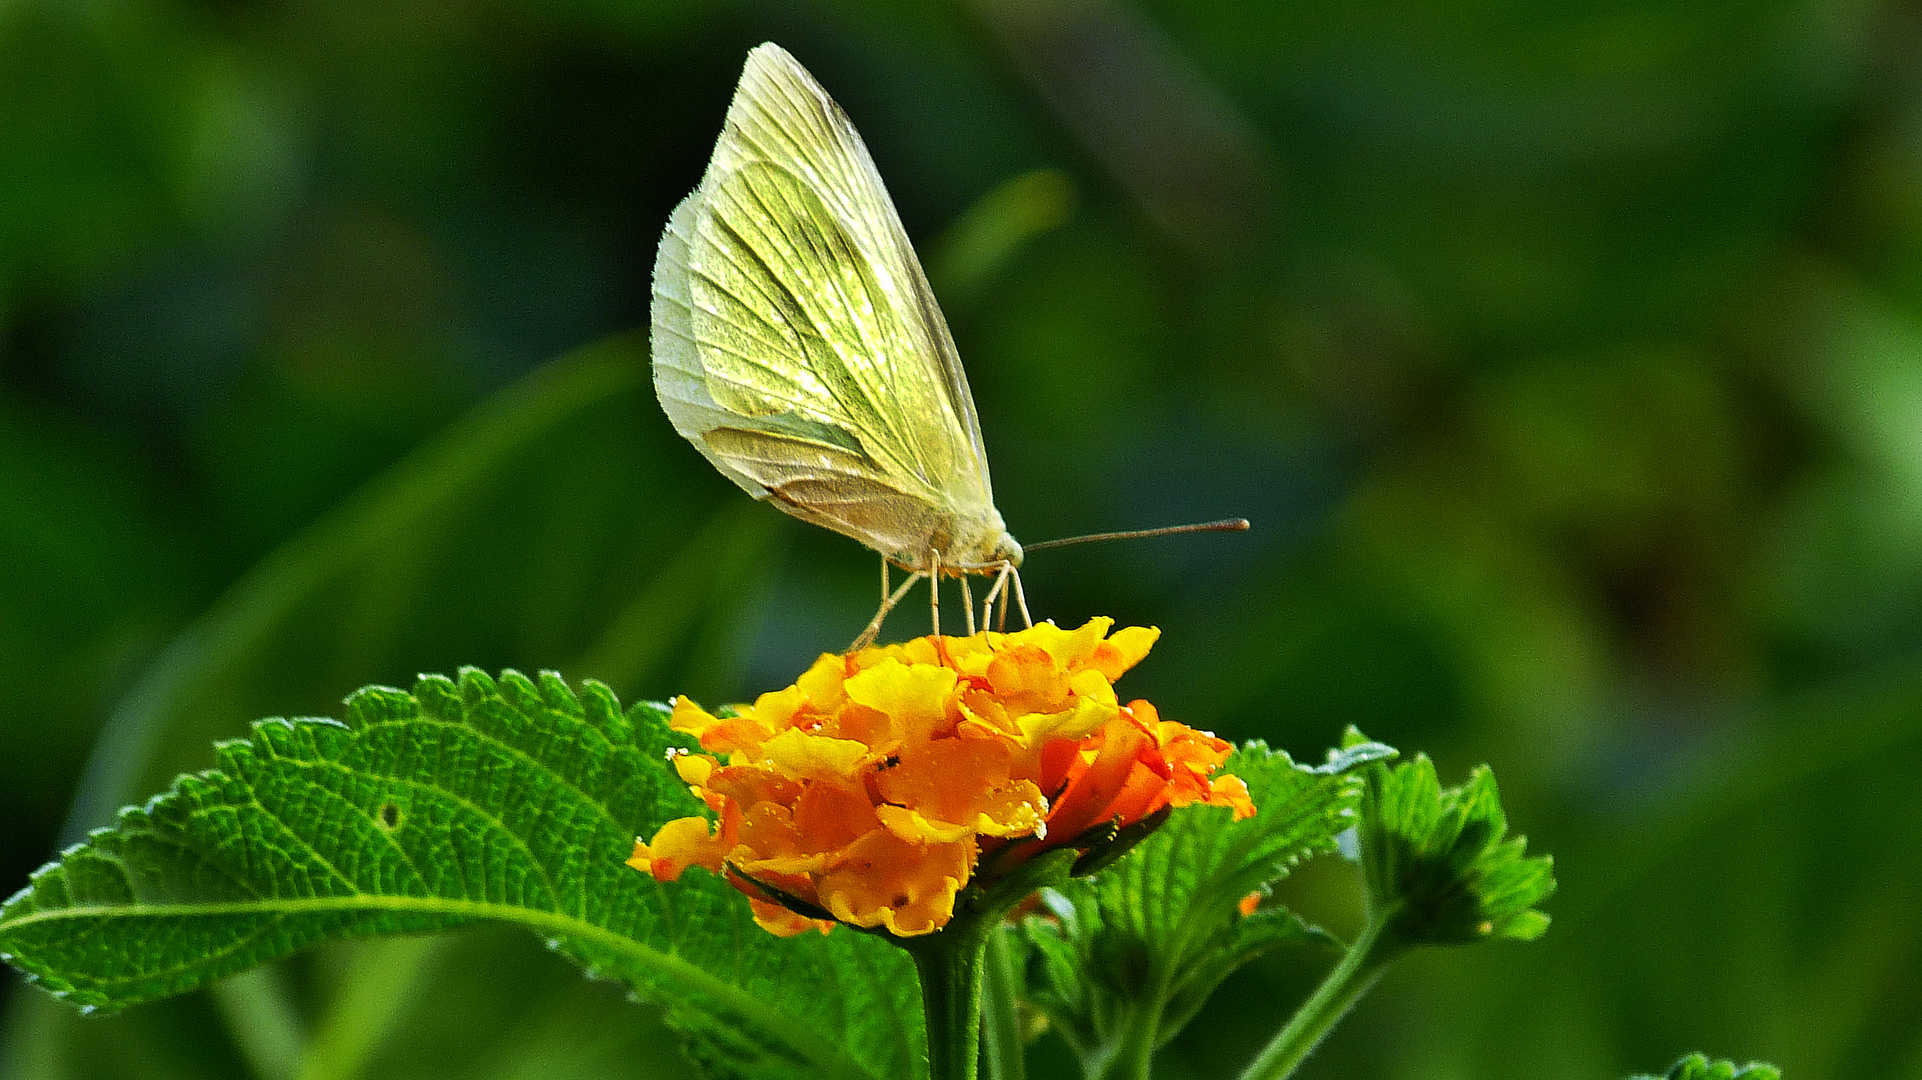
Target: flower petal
{"x":797,"y":754}
{"x":904,"y":886}
{"x":781,"y":922}
{"x":918,"y":700}
{"x":870,"y":787}
{"x":679,"y":844}
{"x":1126,"y":648}
{"x":1072,"y":649}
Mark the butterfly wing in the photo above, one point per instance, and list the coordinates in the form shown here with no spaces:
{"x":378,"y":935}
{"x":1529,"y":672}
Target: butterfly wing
{"x":796,"y":341}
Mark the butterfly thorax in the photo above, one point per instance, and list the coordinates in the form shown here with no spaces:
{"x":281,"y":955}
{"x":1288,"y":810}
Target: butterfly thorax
{"x":972,"y":544}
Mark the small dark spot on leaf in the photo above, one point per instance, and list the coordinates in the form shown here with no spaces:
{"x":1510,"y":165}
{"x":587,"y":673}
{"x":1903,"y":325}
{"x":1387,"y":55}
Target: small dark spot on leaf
{"x":389,"y":816}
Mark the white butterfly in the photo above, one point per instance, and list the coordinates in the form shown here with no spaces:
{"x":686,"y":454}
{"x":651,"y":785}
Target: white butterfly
{"x":798,"y":346}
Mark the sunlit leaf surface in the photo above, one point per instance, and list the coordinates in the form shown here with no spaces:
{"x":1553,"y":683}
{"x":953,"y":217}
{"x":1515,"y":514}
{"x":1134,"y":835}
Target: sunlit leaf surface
{"x":1141,"y":944}
{"x":1438,"y":863}
{"x":512,"y":801}
{"x":1699,"y":1067}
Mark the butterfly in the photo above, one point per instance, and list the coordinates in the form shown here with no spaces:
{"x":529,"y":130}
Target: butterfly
{"x":798,"y":346}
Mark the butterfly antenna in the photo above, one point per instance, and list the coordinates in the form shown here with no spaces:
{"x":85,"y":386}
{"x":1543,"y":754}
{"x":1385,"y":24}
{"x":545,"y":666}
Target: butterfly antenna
{"x":1224,"y":525}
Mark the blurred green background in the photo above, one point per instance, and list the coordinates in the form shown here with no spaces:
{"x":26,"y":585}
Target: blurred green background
{"x":1567,"y":358}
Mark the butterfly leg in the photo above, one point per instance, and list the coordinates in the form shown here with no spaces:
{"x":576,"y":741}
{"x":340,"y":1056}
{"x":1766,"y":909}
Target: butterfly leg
{"x":967,"y":603}
{"x":1000,"y":589}
{"x":1021,"y":600}
{"x":887,"y":604}
{"x":934,"y":589}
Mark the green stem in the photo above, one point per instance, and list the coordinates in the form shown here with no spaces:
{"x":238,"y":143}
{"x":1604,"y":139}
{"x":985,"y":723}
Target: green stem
{"x":1000,"y":1022}
{"x":1131,"y":1055}
{"x":1363,"y":963}
{"x":381,"y":981}
{"x":263,"y":1022}
{"x":949,"y":962}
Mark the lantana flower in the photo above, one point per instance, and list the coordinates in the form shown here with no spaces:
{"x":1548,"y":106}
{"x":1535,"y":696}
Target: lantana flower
{"x":885,"y":781}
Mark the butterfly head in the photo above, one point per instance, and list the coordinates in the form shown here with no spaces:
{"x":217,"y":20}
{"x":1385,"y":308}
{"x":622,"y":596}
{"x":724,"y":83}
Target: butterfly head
{"x":981,"y":544}
{"x":1007,"y":549}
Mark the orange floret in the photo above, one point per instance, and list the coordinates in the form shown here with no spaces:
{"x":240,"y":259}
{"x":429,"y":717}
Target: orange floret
{"x":872,"y":789}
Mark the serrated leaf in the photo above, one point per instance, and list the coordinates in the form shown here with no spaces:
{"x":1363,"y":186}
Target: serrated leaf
{"x":1248,"y":937}
{"x":482,"y":800}
{"x":628,"y":579}
{"x":1699,"y":1067}
{"x":1135,"y":950}
{"x":1437,"y":862}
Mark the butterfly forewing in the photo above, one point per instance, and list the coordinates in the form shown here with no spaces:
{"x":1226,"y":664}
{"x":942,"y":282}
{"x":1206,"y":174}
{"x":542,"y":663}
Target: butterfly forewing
{"x":772,"y":263}
{"x":781,"y":116}
{"x":796,"y":342}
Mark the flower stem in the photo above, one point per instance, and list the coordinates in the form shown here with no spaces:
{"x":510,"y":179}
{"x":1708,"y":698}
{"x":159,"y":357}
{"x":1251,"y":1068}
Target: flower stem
{"x":1132,"y":1054}
{"x":949,"y":962}
{"x":1363,"y":963}
{"x":1000,"y":1020}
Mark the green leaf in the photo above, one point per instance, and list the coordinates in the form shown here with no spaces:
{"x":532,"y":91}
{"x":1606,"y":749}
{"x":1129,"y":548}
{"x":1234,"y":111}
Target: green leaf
{"x":1133,"y":952}
{"x":1699,"y":1067}
{"x":631,"y":577}
{"x":1436,"y":862}
{"x":513,"y":801}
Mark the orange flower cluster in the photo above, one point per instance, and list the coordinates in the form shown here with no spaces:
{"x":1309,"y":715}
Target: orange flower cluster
{"x":872,"y":788}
